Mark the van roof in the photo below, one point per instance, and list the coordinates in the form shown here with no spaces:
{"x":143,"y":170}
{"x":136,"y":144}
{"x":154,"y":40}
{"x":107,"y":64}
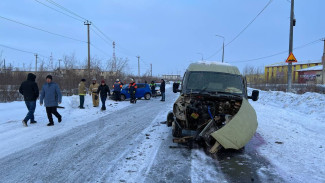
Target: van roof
{"x":213,"y":67}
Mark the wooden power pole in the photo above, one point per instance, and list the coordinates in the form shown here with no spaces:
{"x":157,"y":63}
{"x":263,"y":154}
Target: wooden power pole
{"x":88,"y":23}
{"x":292,"y":22}
{"x":36,"y":56}
{"x":138,"y":66}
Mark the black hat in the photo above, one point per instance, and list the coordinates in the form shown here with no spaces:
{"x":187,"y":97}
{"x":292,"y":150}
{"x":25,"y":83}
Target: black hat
{"x":49,"y":76}
{"x":83,"y":80}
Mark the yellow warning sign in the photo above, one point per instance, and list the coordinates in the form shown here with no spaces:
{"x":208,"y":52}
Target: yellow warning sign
{"x":291,"y":58}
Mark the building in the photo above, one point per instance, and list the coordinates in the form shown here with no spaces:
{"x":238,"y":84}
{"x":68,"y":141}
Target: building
{"x":278,"y":72}
{"x":310,"y":75}
{"x":172,"y":77}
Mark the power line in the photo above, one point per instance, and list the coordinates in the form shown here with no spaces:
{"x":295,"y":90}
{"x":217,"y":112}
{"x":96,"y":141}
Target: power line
{"x":36,"y":28}
{"x":59,"y":11}
{"x":104,"y":36}
{"x":99,"y":49}
{"x":20,"y":50}
{"x":65,"y":9}
{"x":279,"y":53}
{"x":108,"y":38}
{"x":243,"y":28}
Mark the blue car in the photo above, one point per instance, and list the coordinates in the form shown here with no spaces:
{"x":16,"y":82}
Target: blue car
{"x":143,"y":90}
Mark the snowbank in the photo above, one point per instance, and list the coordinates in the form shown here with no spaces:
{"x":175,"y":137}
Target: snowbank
{"x":293,"y":127}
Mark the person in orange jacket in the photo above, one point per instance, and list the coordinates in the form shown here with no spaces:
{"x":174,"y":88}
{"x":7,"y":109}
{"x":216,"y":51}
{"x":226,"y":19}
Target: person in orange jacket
{"x":132,"y":89}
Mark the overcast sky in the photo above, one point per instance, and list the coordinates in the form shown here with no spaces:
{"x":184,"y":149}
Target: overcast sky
{"x":170,"y":34}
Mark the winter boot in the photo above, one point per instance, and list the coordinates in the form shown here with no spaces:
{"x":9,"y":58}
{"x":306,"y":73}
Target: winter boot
{"x":33,"y":122}
{"x":50,"y":124}
{"x":25,"y":123}
{"x":59,"y":120}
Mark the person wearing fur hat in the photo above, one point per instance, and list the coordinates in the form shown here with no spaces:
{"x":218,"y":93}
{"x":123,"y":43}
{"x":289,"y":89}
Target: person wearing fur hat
{"x":82,"y":92}
{"x":103,"y":90}
{"x":52,"y":97}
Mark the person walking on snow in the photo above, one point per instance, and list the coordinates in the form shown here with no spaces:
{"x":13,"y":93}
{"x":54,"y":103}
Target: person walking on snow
{"x":93,"y":91}
{"x":117,"y":90}
{"x":29,"y":90}
{"x":162,"y":89}
{"x":103,"y":90}
{"x":82,"y":92}
{"x":153,"y":88}
{"x":132,"y":90}
{"x":52,"y":97}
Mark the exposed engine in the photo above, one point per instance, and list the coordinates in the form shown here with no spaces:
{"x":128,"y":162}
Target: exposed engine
{"x":206,"y":114}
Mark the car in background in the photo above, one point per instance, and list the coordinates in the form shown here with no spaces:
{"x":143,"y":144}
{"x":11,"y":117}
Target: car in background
{"x":158,"y":93}
{"x":143,"y":90}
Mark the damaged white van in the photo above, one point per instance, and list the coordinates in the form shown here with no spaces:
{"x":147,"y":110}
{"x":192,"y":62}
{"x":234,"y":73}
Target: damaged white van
{"x":213,"y":102}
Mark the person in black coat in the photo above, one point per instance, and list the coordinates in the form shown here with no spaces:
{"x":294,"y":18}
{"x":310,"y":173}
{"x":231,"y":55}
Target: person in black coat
{"x":103,"y":90}
{"x":30,"y":91}
{"x":162,"y":89}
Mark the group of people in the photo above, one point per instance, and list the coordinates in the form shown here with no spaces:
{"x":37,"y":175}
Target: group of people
{"x":51,"y":95}
{"x":95,"y":90}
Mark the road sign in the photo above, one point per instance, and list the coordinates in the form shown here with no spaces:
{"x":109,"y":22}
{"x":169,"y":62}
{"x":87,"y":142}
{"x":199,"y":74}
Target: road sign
{"x":291,"y":58}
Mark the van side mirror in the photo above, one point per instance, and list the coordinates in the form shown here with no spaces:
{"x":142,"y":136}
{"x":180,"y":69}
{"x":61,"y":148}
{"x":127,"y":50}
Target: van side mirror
{"x":175,"y":87}
{"x":254,"y":96}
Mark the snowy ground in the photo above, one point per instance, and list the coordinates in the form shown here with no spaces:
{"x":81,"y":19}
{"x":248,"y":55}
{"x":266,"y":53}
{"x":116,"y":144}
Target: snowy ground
{"x":14,"y":137}
{"x":128,"y":143}
{"x":293,"y":127}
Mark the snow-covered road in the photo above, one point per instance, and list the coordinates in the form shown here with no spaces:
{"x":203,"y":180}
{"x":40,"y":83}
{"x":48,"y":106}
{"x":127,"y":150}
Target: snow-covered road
{"x":129,"y":144}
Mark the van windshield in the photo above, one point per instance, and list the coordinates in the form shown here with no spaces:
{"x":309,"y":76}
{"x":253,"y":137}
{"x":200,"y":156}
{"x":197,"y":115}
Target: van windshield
{"x":214,"y":82}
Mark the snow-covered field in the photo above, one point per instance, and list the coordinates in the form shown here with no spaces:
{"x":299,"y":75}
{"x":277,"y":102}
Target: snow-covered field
{"x":15,"y":137}
{"x":293,"y":127}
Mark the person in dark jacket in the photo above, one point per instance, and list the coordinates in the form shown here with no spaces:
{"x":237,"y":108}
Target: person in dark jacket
{"x":153,"y":88}
{"x":29,"y":90}
{"x":52,"y":97}
{"x":162,"y":90}
{"x":132,"y":90}
{"x":103,"y":90}
{"x":117,"y":90}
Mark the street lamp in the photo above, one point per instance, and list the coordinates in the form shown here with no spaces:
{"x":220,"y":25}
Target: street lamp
{"x":201,"y":55}
{"x":223,"y":47}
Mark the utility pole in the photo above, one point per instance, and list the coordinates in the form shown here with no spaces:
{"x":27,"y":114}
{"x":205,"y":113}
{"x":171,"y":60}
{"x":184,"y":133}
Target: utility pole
{"x":292,"y":22}
{"x":114,"y":58}
{"x":36,"y":61}
{"x":223,"y":47}
{"x":88,"y":23}
{"x":59,"y":64}
{"x":323,"y":63}
{"x":151,"y":70}
{"x":138,"y":66}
